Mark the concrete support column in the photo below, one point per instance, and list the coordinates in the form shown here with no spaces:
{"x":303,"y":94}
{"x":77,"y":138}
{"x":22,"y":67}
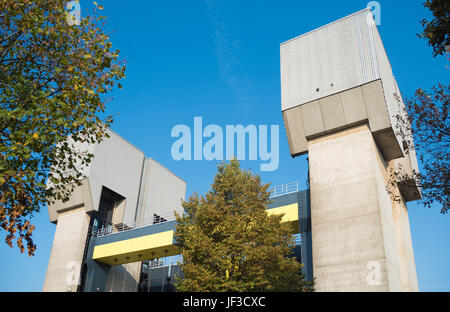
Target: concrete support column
{"x":404,"y":243}
{"x":63,"y":271}
{"x":353,"y":229}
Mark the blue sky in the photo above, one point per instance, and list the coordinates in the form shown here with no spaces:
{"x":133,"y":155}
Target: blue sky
{"x":220,"y":60}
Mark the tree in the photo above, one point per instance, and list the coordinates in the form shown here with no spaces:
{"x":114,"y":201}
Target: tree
{"x":53,"y":77}
{"x":229,"y":243}
{"x":437,"y":30}
{"x":426,"y":120}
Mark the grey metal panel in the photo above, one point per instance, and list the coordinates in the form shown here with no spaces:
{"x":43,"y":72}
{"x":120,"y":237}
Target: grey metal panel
{"x":304,"y":213}
{"x":328,"y":60}
{"x":97,"y":272}
{"x":163,"y":192}
{"x":283,"y":200}
{"x":117,"y":165}
{"x":387,"y":77}
{"x":123,"y":278}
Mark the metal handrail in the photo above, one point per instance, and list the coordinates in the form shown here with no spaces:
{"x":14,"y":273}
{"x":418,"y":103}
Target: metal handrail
{"x":126,"y":226}
{"x":283,"y":189}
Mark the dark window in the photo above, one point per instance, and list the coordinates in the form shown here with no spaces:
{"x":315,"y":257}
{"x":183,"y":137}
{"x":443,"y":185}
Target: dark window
{"x":108,"y":201}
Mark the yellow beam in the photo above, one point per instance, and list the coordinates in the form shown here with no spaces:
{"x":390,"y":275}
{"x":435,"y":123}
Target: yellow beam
{"x":290,"y":212}
{"x":151,"y":246}
{"x":290,"y":215}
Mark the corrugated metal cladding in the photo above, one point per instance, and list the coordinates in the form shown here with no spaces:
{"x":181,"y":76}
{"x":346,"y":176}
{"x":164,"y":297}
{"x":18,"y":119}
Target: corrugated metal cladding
{"x":330,"y":59}
{"x":390,"y":87}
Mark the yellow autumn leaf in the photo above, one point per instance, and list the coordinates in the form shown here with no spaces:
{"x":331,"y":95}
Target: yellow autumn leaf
{"x":35,"y":136}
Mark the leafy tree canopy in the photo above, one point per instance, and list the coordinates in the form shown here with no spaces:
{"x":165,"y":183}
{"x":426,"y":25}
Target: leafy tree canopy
{"x":427,"y":120}
{"x":229,"y":242}
{"x":436,"y":31}
{"x":52,"y":78}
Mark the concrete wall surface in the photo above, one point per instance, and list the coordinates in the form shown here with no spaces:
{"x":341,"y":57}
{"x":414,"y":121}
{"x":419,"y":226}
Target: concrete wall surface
{"x":66,"y":257}
{"x":162,"y":192}
{"x":360,"y":241}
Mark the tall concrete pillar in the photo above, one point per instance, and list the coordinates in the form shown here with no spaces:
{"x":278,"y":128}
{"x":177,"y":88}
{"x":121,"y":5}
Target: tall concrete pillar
{"x":66,"y":257}
{"x":353,"y":230}
{"x":340,"y":102}
{"x":404,"y":242}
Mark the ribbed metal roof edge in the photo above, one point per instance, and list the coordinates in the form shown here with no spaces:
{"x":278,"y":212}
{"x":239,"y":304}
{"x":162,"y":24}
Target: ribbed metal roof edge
{"x":327,"y":25}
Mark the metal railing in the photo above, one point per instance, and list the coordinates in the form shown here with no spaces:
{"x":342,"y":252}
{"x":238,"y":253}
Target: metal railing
{"x":283,"y":189}
{"x":164,"y":262}
{"x":109,"y":228}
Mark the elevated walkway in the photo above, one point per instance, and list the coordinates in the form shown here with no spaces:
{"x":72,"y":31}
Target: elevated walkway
{"x":147,"y":240}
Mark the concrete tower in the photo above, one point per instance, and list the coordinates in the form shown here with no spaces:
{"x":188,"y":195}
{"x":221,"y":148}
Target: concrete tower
{"x":122,"y":187}
{"x":339,"y":102}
